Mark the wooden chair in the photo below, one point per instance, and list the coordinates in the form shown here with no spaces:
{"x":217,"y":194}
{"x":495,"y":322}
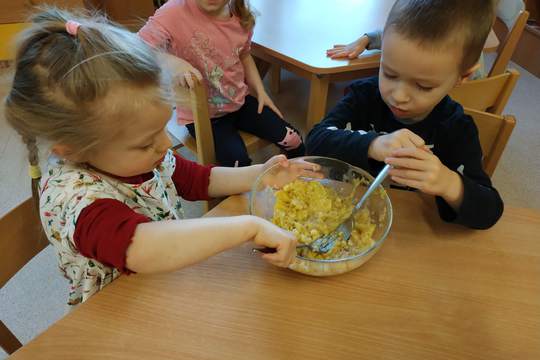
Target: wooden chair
{"x":490,"y":94}
{"x":21,"y":238}
{"x":204,"y":145}
{"x":508,"y":45}
{"x":494,"y":131}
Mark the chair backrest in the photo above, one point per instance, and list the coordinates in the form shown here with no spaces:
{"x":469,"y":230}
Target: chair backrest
{"x":490,"y":94}
{"x":203,"y":127}
{"x":508,"y":46}
{"x":7,"y":35}
{"x":21,"y":238}
{"x":494,"y":132}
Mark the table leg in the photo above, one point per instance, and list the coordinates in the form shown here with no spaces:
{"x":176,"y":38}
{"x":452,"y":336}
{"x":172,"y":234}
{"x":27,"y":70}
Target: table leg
{"x":318,"y":95}
{"x":262,"y":66}
{"x":275,"y":78}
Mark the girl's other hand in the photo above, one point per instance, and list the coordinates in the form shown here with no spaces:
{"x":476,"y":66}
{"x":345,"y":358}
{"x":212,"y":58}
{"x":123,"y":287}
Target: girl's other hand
{"x":289,"y":170}
{"x":349,"y":51}
{"x":188,"y":76}
{"x":272,"y":236}
{"x":264,"y":100}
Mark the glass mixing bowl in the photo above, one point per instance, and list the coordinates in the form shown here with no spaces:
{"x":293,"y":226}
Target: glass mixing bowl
{"x":341,"y":177}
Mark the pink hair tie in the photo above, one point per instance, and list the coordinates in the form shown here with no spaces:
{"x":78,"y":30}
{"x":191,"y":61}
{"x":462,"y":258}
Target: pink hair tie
{"x":72,"y":27}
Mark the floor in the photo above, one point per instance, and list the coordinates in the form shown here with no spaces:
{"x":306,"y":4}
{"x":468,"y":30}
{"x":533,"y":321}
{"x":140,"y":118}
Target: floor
{"x":517,"y":178}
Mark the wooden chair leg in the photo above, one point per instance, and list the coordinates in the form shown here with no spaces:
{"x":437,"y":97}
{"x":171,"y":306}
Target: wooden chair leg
{"x":262,"y":66}
{"x":275,"y":78}
{"x":8,"y":341}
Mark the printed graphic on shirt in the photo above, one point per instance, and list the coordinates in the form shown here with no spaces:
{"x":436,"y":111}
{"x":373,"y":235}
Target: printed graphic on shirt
{"x":214,"y":67}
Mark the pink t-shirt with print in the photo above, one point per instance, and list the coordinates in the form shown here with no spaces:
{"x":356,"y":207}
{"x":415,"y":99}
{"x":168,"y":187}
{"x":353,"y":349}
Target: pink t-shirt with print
{"x":213,"y":46}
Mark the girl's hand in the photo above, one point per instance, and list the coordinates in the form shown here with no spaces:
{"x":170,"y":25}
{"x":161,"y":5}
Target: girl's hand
{"x":289,"y":170}
{"x":264,"y":100}
{"x":422,"y":170}
{"x":383,"y":146}
{"x":272,"y":236}
{"x":187,"y":76}
{"x":349,"y":51}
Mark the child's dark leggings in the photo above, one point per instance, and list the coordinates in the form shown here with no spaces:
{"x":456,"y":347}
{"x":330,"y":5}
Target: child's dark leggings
{"x":268,"y":125}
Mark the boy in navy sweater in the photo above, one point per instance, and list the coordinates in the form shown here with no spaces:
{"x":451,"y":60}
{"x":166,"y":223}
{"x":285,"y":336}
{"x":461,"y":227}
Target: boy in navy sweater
{"x":429,"y":46}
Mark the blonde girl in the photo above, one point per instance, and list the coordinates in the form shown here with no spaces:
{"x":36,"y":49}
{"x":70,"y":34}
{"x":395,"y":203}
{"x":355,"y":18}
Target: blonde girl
{"x":210,"y":41}
{"x":110,"y":199}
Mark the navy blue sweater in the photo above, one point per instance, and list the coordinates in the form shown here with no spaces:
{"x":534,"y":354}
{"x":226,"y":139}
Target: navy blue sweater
{"x":453,"y":134}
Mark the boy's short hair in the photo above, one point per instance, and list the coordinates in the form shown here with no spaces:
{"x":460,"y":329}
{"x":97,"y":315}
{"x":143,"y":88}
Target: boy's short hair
{"x":435,"y":22}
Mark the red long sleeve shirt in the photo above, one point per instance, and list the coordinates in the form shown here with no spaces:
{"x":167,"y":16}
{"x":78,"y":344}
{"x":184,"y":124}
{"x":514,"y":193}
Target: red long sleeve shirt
{"x":105,"y":228}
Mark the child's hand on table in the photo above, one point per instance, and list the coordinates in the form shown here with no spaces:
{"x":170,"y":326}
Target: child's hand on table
{"x":289,"y":171}
{"x":383,"y":146}
{"x":349,"y":51}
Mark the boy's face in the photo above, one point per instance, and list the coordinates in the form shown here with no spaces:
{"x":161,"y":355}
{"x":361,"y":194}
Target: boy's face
{"x":414,"y":79}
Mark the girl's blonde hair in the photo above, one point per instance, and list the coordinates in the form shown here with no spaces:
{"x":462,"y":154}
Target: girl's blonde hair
{"x":61,"y":79}
{"x":242,"y":10}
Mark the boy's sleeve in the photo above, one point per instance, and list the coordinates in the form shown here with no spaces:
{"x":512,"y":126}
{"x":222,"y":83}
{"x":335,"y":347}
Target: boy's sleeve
{"x":191,"y":179}
{"x":375,"y":40}
{"x":157,"y":30}
{"x":332,"y":138}
{"x":482,"y":205}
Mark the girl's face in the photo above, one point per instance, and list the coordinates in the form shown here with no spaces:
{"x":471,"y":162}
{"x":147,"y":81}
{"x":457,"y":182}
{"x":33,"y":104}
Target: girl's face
{"x":142,"y":141}
{"x":213,"y":7}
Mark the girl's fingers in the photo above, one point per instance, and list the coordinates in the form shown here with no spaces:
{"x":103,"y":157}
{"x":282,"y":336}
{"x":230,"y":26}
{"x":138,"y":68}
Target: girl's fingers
{"x":260,"y":108}
{"x":189,"y":80}
{"x":197,"y":74}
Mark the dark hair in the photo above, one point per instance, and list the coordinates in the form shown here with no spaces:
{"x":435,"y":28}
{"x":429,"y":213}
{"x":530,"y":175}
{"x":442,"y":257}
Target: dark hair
{"x":434,"y":22}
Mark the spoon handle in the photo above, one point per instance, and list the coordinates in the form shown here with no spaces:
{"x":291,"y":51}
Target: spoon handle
{"x":374,"y":184}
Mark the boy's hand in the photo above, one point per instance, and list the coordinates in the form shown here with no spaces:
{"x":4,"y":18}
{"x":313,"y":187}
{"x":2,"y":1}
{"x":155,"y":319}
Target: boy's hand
{"x":272,"y":236}
{"x":383,"y":146}
{"x":289,"y":170}
{"x":264,"y":100}
{"x":422,"y":170}
{"x":349,"y":51}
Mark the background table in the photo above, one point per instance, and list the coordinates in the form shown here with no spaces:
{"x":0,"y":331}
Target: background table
{"x":434,"y":291}
{"x":294,"y":35}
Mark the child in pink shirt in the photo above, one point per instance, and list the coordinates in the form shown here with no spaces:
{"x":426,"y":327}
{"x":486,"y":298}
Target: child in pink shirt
{"x":211,"y":40}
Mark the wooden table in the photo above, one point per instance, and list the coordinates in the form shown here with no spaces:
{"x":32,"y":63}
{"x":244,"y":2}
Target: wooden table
{"x":434,"y":291}
{"x":294,"y":35}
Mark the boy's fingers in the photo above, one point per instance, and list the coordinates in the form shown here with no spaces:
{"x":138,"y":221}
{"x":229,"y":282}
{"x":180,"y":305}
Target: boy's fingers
{"x":406,"y":163}
{"x":411,"y":152}
{"x":410,"y":183}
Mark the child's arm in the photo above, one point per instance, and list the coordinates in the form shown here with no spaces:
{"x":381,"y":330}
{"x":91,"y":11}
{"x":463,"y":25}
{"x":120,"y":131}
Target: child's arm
{"x":170,"y":245}
{"x":468,"y":199}
{"x":369,"y":41}
{"x":253,"y":79}
{"x":228,"y":181}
